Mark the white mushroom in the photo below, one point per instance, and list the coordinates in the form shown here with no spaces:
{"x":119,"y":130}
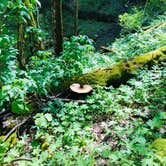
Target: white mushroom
{"x":82,"y":89}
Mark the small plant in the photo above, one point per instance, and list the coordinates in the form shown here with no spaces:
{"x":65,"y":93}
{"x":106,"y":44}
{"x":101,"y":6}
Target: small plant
{"x":15,"y":94}
{"x":132,"y":22}
{"x":76,"y":54}
{"x":42,"y":120}
{"x":7,"y":57}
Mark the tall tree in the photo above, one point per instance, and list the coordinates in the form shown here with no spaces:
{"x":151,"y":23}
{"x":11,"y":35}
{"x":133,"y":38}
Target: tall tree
{"x":75,"y":16}
{"x":58,"y":23}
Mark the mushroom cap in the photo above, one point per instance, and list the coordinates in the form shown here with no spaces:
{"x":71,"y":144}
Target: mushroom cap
{"x":77,"y":88}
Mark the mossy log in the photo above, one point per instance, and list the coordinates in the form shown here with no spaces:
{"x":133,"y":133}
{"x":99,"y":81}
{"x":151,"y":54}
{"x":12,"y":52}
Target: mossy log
{"x":119,"y":72}
{"x":160,"y":146}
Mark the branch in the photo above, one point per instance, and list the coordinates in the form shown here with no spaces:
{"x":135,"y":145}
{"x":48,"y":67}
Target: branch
{"x":3,"y":115}
{"x":22,"y":159}
{"x":65,"y":100}
{"x":106,"y":49}
{"x":14,"y":128}
{"x":149,"y":29}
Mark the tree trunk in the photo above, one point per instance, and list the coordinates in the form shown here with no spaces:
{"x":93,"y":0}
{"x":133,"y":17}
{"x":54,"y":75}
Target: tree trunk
{"x":118,"y":73}
{"x":57,"y":26}
{"x":53,"y":6}
{"x":75,"y":17}
{"x":36,"y":44}
{"x":20,"y":47}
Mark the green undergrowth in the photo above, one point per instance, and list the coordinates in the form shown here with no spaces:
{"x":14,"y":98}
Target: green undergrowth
{"x":140,"y":42}
{"x":114,"y":127}
{"x":79,"y":57}
{"x":87,"y":59}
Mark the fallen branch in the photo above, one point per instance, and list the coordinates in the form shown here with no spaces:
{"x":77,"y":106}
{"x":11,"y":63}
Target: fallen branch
{"x":4,"y":115}
{"x":163,"y":24}
{"x":64,"y":100}
{"x":106,"y":49}
{"x":14,"y":128}
{"x":69,"y":100}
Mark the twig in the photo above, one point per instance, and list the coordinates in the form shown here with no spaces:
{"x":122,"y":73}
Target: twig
{"x":22,"y":159}
{"x":14,"y":128}
{"x":106,"y":49}
{"x":68,"y":100}
{"x":58,"y":94}
{"x":155,"y":27}
{"x":5,"y":115}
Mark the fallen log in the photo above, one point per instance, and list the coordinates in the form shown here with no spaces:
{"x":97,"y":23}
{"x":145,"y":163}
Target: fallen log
{"x":119,"y":72}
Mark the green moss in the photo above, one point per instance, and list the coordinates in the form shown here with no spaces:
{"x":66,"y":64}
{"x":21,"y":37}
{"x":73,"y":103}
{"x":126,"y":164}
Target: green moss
{"x":118,"y":73}
{"x":160,"y":146}
{"x":11,"y":141}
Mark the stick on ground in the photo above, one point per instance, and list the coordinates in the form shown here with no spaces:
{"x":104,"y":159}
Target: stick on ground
{"x":14,"y":128}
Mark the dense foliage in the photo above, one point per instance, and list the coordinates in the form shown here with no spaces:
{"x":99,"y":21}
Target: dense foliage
{"x":114,"y":125}
{"x":133,"y":118}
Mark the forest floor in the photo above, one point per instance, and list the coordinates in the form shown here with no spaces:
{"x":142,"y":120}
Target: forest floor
{"x":118,"y":126}
{"x":114,"y":126}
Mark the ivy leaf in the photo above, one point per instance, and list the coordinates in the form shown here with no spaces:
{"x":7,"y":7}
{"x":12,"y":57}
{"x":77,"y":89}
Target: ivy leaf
{"x":48,"y":117}
{"x":155,"y":123}
{"x":41,"y":122}
{"x":20,"y":107}
{"x":148,"y":162}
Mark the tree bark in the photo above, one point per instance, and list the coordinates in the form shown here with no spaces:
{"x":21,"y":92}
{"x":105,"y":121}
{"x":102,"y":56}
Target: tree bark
{"x":53,"y":6}
{"x":75,"y":17}
{"x":57,"y":14}
{"x":20,"y":46}
{"x":118,"y":73}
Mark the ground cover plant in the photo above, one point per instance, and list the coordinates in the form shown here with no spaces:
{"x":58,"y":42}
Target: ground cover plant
{"x":95,"y":132}
{"x":42,"y":122}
